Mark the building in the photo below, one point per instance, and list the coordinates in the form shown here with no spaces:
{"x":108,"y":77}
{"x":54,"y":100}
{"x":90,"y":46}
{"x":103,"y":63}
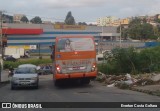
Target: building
{"x":39,"y":37}
{"x":17,"y":18}
{"x":124,"y":22}
{"x":46,"y":22}
{"x":106,"y":21}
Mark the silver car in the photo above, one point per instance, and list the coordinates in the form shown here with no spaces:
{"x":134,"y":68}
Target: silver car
{"x":25,"y":76}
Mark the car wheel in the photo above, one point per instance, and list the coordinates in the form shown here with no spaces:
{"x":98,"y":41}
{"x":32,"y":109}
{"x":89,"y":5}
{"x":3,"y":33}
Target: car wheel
{"x":37,"y":86}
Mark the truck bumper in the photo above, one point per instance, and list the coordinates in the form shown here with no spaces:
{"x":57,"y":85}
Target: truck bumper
{"x":90,"y":75}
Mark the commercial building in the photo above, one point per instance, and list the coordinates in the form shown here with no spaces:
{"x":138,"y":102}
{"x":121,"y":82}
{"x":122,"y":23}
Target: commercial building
{"x":41,"y":36}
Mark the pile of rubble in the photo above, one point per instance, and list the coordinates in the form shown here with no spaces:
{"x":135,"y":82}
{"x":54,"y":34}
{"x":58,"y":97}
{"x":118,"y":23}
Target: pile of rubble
{"x":127,"y":81}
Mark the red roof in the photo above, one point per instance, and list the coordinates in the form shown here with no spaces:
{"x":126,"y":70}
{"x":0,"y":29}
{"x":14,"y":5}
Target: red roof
{"x":14,"y":31}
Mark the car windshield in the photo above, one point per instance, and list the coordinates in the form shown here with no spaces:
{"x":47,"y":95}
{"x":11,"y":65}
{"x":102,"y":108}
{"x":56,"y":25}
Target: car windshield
{"x":25,"y":71}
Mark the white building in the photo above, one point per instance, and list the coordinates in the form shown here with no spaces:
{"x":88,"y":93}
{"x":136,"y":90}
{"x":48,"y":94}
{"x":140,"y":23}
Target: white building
{"x":17,"y":17}
{"x":106,"y":21}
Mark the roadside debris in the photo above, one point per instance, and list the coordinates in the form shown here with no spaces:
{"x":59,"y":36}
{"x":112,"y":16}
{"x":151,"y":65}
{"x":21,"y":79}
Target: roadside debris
{"x":128,"y":81}
{"x":156,"y":77}
{"x":101,"y":77}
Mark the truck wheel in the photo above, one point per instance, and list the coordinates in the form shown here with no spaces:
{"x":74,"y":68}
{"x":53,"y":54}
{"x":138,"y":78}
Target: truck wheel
{"x":86,"y":81}
{"x":56,"y":83}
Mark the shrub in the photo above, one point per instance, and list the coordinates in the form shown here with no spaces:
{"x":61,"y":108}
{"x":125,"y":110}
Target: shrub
{"x":8,"y":64}
{"x":132,"y":61}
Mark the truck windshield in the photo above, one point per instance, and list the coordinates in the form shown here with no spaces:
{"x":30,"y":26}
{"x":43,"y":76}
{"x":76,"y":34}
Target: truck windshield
{"x":75,"y":44}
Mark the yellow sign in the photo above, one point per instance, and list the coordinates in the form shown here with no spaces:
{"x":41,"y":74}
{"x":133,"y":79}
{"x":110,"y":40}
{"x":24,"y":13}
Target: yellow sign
{"x":69,"y":27}
{"x":24,"y":46}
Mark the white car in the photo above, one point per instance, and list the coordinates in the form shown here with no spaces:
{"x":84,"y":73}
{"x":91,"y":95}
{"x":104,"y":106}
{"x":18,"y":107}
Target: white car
{"x":25,"y":76}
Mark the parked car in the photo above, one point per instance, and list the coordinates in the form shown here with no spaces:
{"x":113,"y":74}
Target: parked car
{"x":25,"y":76}
{"x":96,"y":43}
{"x":45,"y":70}
{"x":10,"y":58}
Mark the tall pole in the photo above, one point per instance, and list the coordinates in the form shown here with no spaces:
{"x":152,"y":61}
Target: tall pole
{"x":1,"y":48}
{"x":120,"y":35}
{"x":102,"y":39}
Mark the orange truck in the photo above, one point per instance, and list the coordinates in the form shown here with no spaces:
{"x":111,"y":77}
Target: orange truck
{"x":74,"y":59}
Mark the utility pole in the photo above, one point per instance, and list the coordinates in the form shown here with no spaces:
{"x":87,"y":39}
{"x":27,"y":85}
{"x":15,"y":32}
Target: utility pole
{"x":120,"y":35}
{"x":1,"y":42}
{"x":102,"y":39}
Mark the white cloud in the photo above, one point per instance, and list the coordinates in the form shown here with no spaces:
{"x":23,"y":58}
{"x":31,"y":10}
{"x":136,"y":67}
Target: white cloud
{"x":82,"y":9}
{"x":73,"y":3}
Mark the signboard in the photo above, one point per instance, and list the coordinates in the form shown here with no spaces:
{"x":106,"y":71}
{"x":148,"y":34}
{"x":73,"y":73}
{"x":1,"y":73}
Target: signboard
{"x":69,"y":27}
{"x":24,"y":46}
{"x":33,"y":47}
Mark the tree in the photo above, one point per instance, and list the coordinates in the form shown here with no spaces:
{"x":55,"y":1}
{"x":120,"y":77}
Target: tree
{"x":24,"y":19}
{"x":140,"y":29}
{"x":36,"y":20}
{"x":82,"y":23}
{"x":7,"y":18}
{"x":147,"y":31}
{"x":69,"y":19}
{"x":158,"y":20}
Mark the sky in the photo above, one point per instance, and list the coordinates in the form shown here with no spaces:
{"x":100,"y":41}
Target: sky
{"x":82,"y":10}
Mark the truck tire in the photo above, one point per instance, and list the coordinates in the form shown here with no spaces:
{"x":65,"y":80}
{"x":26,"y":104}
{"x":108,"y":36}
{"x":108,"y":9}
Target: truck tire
{"x":86,"y":81}
{"x":56,"y":83}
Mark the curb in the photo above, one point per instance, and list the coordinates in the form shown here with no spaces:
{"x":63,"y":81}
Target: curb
{"x":155,"y":93}
{"x":4,"y":83}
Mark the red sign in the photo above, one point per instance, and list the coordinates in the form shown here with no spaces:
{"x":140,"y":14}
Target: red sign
{"x":14,"y":31}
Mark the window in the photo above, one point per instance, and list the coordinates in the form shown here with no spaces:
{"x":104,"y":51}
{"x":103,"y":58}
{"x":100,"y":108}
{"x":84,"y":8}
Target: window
{"x":75,"y":44}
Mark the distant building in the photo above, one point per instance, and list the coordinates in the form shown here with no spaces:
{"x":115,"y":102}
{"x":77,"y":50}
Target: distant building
{"x":124,"y":22}
{"x":17,"y":18}
{"x":149,"y":19}
{"x":46,"y":22}
{"x":43,"y":35}
{"x":92,"y":23}
{"x":106,"y":21}
{"x":158,"y":16}
{"x":59,"y":23}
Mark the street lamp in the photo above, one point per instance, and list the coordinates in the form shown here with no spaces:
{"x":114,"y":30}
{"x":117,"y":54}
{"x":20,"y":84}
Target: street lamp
{"x":120,"y":35}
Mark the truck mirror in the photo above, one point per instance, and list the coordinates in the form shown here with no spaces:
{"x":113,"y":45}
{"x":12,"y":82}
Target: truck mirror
{"x":52,"y":55}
